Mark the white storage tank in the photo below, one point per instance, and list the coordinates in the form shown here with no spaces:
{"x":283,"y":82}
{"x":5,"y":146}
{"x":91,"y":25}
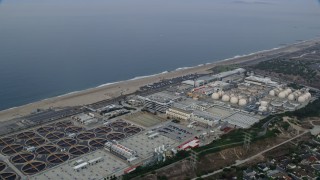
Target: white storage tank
{"x":282,"y":94}
{"x":309,"y":95}
{"x":272,"y":93}
{"x":225,"y":98}
{"x":301,"y":99}
{"x":291,"y":97}
{"x":215,"y":96}
{"x":242,"y":102}
{"x":234,"y":100}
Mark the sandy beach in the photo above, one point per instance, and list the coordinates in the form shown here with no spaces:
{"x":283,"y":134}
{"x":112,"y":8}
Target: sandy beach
{"x":129,"y":86}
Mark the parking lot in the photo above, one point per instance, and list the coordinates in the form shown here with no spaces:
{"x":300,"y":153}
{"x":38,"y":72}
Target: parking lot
{"x":109,"y":166}
{"x":176,"y":132}
{"x":144,"y":146}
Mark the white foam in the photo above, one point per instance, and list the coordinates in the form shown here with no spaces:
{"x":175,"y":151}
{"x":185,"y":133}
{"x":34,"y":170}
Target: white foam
{"x":182,"y":68}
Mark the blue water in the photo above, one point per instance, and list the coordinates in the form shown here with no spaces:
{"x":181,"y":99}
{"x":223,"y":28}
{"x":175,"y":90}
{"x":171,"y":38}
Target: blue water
{"x":49,"y":48}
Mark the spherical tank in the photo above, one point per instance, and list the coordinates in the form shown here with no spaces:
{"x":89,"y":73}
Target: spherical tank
{"x":242,"y":102}
{"x":215,"y":96}
{"x":225,"y":98}
{"x":272,"y":93}
{"x":282,"y":95}
{"x":291,"y":97}
{"x":234,"y":100}
{"x":306,"y":97}
{"x":301,"y":99}
{"x":309,"y":95}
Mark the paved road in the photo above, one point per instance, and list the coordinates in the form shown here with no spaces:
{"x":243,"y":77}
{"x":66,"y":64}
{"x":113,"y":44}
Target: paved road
{"x":239,"y":162}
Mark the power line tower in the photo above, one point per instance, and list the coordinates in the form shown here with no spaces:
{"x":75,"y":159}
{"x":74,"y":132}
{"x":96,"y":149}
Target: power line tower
{"x":247,"y":140}
{"x":193,"y":159}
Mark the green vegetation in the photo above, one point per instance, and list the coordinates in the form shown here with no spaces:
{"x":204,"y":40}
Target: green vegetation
{"x":311,"y":110}
{"x":289,"y":67}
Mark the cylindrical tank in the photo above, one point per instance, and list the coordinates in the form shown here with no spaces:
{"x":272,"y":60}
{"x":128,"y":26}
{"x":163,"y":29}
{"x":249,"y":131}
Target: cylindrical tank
{"x":234,"y":100}
{"x":272,"y":93}
{"x":242,"y":102}
{"x":291,"y":97}
{"x":225,"y":98}
{"x":301,"y":99}
{"x":215,"y":96}
{"x":282,"y":95}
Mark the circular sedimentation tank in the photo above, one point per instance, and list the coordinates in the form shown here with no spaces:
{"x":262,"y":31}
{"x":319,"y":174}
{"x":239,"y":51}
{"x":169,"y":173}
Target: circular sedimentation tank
{"x":63,"y":124}
{"x":85,"y":136}
{"x":66,"y":142}
{"x":116,"y":136}
{"x":12,"y":149}
{"x":22,"y":158}
{"x":26,"y":135}
{"x":79,"y":150}
{"x":131,"y":130}
{"x":102,"y":130}
{"x":33,"y":167}
{"x":45,"y":129}
{"x":6,"y":141}
{"x":73,"y":129}
{"x":98,"y":142}
{"x":58,"y":158}
{"x":48,"y":149}
{"x":3,"y":166}
{"x":35,"y":141}
{"x":9,"y":176}
{"x":52,"y":136}
{"x":118,"y":124}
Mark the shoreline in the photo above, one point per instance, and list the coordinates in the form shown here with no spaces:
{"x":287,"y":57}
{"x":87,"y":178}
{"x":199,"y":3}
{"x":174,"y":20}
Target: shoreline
{"x":111,"y":90}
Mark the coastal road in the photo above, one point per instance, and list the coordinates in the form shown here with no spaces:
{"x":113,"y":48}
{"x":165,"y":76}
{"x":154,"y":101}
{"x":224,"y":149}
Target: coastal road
{"x":239,"y":162}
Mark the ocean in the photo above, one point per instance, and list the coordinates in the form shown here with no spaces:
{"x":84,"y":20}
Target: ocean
{"x":49,"y":48}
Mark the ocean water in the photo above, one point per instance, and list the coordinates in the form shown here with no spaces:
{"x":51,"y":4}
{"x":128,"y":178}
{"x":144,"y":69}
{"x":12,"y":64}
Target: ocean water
{"x":49,"y":48}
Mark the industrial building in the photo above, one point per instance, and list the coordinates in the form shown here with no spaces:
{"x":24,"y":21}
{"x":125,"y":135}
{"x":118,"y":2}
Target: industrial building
{"x":204,"y":117}
{"x":121,"y":151}
{"x":177,"y":113}
{"x":159,"y":102}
